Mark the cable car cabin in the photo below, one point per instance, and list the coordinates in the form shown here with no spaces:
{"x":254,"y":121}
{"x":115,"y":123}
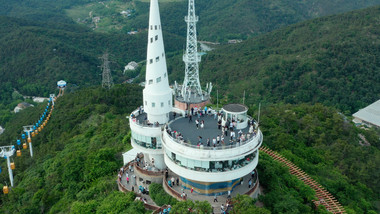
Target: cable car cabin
{"x":42,"y":126}
{"x":5,"y":189}
{"x":39,"y":129}
{"x":33,"y":134}
{"x":13,"y":166}
{"x":25,"y":146}
{"x":29,"y":140}
{"x":19,"y":152}
{"x":36,"y":132}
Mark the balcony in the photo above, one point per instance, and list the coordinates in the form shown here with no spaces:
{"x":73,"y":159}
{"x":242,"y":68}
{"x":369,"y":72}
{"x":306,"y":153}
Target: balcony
{"x":217,"y":153}
{"x":212,"y":175}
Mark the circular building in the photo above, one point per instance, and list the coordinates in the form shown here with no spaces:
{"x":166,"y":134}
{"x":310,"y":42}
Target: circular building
{"x":61,"y":84}
{"x":213,"y":159}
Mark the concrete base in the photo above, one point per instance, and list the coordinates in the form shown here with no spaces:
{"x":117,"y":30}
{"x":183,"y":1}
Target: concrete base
{"x":210,"y":188}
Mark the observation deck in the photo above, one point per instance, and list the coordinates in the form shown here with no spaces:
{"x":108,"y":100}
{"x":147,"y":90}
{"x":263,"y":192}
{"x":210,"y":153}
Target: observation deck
{"x":146,"y":136}
{"x":193,"y":158}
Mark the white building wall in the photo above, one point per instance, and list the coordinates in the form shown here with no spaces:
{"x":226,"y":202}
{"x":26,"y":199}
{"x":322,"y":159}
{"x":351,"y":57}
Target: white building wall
{"x":157,"y":93}
{"x":211,"y":176}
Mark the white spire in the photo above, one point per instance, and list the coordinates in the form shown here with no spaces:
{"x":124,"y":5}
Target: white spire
{"x":157,"y":93}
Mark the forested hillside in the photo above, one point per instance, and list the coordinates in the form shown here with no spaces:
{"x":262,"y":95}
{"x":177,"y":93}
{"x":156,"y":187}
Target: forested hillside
{"x":76,"y":157}
{"x":325,"y":145}
{"x":219,"y":19}
{"x":78,"y":153}
{"x":333,"y":60}
{"x":35,"y":55}
{"x":46,"y":45}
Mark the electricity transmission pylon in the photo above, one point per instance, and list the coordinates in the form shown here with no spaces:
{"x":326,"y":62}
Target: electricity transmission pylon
{"x":106,"y":75}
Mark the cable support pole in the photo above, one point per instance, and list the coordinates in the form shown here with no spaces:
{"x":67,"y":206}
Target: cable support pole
{"x":10,"y":170}
{"x":30,"y":146}
{"x":28,"y":129}
{"x":7,"y":152}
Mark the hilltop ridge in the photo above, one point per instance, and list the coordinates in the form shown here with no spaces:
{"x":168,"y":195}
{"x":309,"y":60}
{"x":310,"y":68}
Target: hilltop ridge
{"x":332,"y":60}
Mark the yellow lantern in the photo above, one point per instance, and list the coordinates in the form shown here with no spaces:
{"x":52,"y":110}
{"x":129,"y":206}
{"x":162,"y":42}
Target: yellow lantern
{"x":19,"y":152}
{"x":5,"y":189}
{"x":13,"y":166}
{"x":25,"y":146}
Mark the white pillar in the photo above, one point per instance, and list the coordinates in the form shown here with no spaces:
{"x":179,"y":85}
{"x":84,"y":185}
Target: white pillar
{"x":159,"y":162}
{"x":10,"y":170}
{"x":30,"y":145}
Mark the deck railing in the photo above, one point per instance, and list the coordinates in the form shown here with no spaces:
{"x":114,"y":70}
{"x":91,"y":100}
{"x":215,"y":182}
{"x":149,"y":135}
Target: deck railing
{"x":258,"y":137}
{"x":171,"y":191}
{"x":147,"y":172}
{"x":256,"y":184}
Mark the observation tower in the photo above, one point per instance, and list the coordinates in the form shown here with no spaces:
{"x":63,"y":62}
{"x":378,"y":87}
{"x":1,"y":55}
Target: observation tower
{"x":61,"y":85}
{"x":146,"y":121}
{"x":190,"y":93}
{"x":211,"y":151}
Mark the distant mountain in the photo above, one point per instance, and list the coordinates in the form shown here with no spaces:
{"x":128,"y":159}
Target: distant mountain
{"x":34,"y":55}
{"x":219,"y":19}
{"x":226,"y":19}
{"x":333,"y":60}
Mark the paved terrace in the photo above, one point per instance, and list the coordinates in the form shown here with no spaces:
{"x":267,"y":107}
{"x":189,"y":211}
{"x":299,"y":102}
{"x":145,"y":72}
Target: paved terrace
{"x":177,"y":190}
{"x":222,"y":199}
{"x":190,"y":132}
{"x":142,"y":118}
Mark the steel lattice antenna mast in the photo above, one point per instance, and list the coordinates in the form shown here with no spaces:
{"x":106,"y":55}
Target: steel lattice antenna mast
{"x":191,"y":58}
{"x":106,"y":75}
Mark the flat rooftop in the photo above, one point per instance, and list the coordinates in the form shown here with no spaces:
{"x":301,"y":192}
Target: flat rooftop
{"x":190,"y":132}
{"x":193,"y":99}
{"x":370,"y":113}
{"x":236,"y":108}
{"x":142,"y":119}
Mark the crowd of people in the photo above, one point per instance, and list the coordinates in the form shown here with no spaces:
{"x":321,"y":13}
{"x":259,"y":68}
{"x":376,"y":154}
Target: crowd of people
{"x":228,"y":128}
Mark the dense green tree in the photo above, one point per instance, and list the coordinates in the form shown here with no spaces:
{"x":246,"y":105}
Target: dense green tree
{"x":325,"y":145}
{"x":243,"y":204}
{"x":188,"y":206}
{"x":159,"y":196}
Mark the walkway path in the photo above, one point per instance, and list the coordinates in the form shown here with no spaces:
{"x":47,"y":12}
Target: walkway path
{"x":135,"y":183}
{"x":221,"y":199}
{"x":324,"y":197}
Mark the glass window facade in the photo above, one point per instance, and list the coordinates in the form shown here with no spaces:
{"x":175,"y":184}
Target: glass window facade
{"x":211,"y":166}
{"x":146,"y":141}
